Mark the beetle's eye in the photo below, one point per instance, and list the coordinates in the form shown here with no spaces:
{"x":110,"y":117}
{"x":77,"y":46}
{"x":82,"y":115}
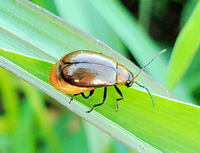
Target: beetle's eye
{"x":129,"y":80}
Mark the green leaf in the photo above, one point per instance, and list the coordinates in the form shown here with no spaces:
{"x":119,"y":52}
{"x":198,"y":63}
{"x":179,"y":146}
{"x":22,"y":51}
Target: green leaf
{"x":170,"y":126}
{"x":184,"y":49}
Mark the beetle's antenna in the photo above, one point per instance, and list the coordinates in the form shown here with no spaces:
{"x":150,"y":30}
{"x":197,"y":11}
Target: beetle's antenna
{"x":147,"y":91}
{"x":164,"y":50}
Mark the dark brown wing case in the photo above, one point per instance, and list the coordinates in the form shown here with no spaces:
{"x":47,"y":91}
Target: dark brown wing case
{"x":89,"y":75}
{"x":88,"y":69}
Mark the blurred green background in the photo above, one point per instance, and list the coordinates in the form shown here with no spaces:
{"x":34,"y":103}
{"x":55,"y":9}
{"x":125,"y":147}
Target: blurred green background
{"x":23,"y":108}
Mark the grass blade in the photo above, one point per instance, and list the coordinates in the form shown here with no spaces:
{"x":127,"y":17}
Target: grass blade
{"x":184,"y":49}
{"x":169,"y":126}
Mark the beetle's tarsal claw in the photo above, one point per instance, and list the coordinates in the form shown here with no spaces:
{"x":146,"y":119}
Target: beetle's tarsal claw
{"x":89,"y":110}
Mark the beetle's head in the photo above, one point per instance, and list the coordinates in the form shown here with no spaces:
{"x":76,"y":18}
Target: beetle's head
{"x":124,"y":76}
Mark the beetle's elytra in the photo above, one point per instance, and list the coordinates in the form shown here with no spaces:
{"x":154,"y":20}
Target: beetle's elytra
{"x":82,"y":70}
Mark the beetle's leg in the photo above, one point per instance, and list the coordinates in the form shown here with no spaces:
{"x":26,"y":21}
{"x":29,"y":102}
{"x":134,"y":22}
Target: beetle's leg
{"x":104,"y":99}
{"x":147,"y":91}
{"x":73,"y":97}
{"x":86,"y":97}
{"x":90,"y":94}
{"x":122,"y":97}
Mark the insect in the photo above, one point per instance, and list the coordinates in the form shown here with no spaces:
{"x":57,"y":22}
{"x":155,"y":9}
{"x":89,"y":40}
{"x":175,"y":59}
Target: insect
{"x":83,"y":70}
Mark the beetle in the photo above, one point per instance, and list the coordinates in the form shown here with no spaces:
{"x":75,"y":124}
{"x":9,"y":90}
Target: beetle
{"x":83,"y":70}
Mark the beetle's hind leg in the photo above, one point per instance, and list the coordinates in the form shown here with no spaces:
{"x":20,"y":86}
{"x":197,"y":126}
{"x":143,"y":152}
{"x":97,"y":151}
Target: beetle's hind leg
{"x":73,"y":97}
{"x":86,"y":97}
{"x":118,"y":99}
{"x":104,"y":99}
{"x":90,"y":94}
